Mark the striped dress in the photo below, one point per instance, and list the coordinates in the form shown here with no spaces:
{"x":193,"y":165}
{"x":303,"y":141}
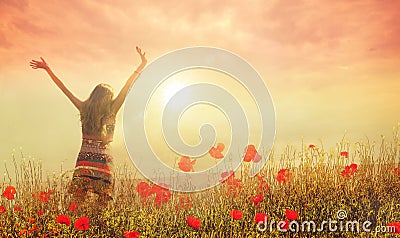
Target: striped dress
{"x":94,"y":166}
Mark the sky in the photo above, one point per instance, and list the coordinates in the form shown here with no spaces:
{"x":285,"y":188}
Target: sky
{"x":330,"y":66}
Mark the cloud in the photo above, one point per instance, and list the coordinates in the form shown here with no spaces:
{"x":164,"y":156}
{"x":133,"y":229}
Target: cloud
{"x":286,"y":36}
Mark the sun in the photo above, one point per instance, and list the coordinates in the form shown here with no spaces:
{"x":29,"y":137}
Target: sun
{"x":170,"y":89}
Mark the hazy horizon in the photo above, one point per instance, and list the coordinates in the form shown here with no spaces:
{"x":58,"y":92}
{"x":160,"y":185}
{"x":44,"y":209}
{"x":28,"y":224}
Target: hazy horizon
{"x":329,"y":67}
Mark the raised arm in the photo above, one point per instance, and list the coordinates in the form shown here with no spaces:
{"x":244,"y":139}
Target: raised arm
{"x":119,"y":100}
{"x":43,"y":65}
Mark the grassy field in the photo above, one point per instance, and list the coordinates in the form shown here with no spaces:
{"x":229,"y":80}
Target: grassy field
{"x":303,"y":184}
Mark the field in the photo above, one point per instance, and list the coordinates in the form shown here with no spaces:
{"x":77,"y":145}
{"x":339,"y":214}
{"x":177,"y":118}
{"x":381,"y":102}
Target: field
{"x":351,"y":182}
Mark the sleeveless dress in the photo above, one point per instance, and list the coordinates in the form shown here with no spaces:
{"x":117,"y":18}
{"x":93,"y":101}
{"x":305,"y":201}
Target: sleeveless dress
{"x":94,"y":166}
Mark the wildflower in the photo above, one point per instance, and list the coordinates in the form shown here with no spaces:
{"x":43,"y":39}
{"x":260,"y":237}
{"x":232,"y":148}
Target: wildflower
{"x":283,"y":176}
{"x":250,"y":154}
{"x":131,"y":234}
{"x":231,"y":180}
{"x":193,"y":222}
{"x":50,"y":234}
{"x":3,"y":209}
{"x":44,"y":197}
{"x":233,"y":183}
{"x":186,"y":165}
{"x":143,"y":189}
{"x":262,"y":184}
{"x":257,"y":199}
{"x":396,"y":226}
{"x":62,"y":219}
{"x":24,"y":232}
{"x":226,"y":175}
{"x":72,"y":207}
{"x":18,"y":208}
{"x":236,"y":214}
{"x":349,"y":170}
{"x":216,"y":152}
{"x":30,"y":219}
{"x":34,"y":228}
{"x":40,"y":212}
{"x":283,"y":225}
{"x":344,"y":154}
{"x":396,"y":171}
{"x":311,"y":146}
{"x":82,"y":224}
{"x":185,"y":202}
{"x":260,"y":217}
{"x":291,"y":215}
{"x":162,"y":194}
{"x":9,"y":193}
{"x":257,"y":158}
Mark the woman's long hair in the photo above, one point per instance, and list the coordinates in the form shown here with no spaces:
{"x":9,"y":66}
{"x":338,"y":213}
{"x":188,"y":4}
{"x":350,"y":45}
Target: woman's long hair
{"x":96,"y":109}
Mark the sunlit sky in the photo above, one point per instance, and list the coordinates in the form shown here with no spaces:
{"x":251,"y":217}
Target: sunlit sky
{"x":330,"y":66}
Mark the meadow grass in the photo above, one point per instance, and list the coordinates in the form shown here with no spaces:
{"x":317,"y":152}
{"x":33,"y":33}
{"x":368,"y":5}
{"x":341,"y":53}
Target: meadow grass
{"x":315,"y":189}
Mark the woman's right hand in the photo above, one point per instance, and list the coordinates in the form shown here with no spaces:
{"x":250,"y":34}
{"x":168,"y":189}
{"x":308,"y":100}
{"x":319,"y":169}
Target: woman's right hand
{"x":39,"y":64}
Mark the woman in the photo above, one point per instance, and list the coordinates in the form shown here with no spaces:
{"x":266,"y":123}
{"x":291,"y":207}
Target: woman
{"x":93,"y":170}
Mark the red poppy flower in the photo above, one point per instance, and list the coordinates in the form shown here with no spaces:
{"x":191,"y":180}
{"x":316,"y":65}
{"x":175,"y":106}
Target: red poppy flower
{"x":236,"y":214}
{"x":283,"y":176}
{"x":262,"y":186}
{"x":257,"y":158}
{"x":261,"y":217}
{"x":230,"y":180}
{"x":396,"y":171}
{"x":291,"y":215}
{"x":226,"y":175}
{"x":82,"y":224}
{"x":344,"y":154}
{"x":193,"y":222}
{"x":3,"y":209}
{"x":131,"y":234}
{"x":186,"y":165}
{"x":62,"y":219}
{"x":40,"y":212}
{"x":162,"y":194}
{"x":24,"y":232}
{"x":9,"y":193}
{"x":396,"y":226}
{"x":311,"y":146}
{"x":216,"y":152}
{"x":283,"y":225}
{"x":72,"y":207}
{"x":185,"y":202}
{"x":44,"y":196}
{"x":30,"y":219}
{"x":17,"y":209}
{"x":250,"y":154}
{"x":143,"y":189}
{"x":349,"y":170}
{"x":257,"y":199}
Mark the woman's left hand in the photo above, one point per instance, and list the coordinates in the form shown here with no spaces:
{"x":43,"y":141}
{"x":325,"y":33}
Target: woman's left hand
{"x":142,"y":57}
